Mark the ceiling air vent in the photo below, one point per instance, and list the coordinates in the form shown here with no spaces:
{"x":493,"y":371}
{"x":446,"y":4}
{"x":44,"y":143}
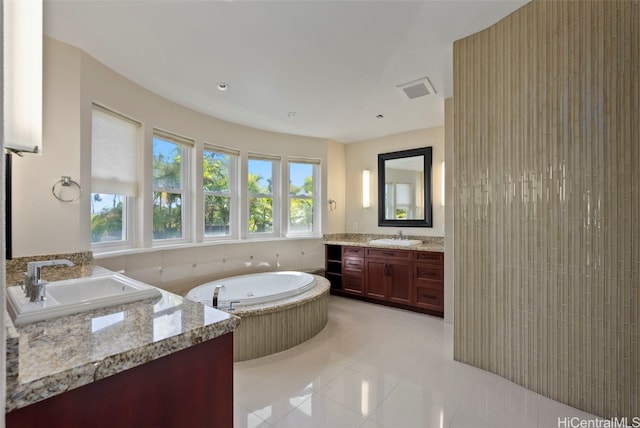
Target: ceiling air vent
{"x":417,"y":88}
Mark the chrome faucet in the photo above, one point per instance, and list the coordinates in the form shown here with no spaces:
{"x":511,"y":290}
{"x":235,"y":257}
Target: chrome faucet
{"x":214,"y":302}
{"x":35,"y":287}
{"x":400,"y":236}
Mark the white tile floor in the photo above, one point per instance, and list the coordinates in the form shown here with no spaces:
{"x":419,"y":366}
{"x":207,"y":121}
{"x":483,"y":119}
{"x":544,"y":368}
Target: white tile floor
{"x":379,"y":367}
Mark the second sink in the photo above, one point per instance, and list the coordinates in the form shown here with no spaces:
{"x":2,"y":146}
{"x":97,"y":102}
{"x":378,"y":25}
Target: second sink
{"x":397,"y":242}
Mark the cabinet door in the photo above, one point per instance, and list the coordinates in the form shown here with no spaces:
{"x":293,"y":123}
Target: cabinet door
{"x":399,"y":282}
{"x":375,"y":279}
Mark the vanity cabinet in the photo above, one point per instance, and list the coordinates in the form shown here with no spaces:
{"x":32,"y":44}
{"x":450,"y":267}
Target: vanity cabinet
{"x":189,"y":388}
{"x":408,"y":279}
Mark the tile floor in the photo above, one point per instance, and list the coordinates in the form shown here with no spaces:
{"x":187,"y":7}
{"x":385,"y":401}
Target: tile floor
{"x":380,"y":367}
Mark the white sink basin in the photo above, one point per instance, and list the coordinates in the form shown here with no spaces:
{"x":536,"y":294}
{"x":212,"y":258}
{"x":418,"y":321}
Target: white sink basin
{"x":77,"y":295}
{"x":396,"y":242}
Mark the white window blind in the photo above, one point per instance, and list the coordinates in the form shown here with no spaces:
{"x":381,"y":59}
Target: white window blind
{"x":403,"y":194}
{"x":113,"y":153}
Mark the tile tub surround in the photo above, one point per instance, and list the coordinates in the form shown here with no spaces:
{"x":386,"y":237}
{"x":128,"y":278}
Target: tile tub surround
{"x":275,"y":326}
{"x":547,"y":166}
{"x":47,"y":358}
{"x":83,"y":266}
{"x":429,"y":243}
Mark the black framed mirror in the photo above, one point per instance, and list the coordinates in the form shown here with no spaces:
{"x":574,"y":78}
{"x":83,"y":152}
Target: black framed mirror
{"x":404,"y":188}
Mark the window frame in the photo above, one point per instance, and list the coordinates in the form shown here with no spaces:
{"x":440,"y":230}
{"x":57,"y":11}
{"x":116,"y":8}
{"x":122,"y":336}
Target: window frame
{"x":233,"y":194}
{"x":186,"y":171}
{"x":315,"y":197}
{"x":129,"y":203}
{"x":276,"y":168}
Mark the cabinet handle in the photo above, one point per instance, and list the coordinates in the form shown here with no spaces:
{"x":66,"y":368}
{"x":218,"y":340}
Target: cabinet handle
{"x":389,"y":254}
{"x":386,"y":269}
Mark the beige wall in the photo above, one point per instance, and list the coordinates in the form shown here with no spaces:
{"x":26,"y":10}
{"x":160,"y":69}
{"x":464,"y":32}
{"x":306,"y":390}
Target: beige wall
{"x":41,"y":224}
{"x":72,"y":82}
{"x":547,"y":166}
{"x":364,"y":155}
{"x":336,"y":171}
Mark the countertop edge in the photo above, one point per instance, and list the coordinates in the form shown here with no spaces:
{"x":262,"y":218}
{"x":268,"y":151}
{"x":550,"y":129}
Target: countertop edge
{"x":419,"y":247}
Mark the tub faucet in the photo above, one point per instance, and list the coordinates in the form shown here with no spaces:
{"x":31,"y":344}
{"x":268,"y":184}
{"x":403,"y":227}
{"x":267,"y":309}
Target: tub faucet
{"x":216,"y":291}
{"x":35,"y":287}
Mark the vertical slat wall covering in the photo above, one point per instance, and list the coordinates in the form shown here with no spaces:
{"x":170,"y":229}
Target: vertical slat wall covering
{"x":547,"y":202}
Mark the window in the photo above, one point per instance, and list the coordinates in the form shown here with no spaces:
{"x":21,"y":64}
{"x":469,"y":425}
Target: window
{"x":399,"y":201}
{"x":303,"y":207}
{"x":170,"y":186}
{"x":262,"y":185}
{"x":219,"y":186}
{"x":114,"y":183}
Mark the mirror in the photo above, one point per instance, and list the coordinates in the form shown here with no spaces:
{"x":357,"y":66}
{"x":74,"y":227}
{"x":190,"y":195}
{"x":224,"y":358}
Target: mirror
{"x":404,"y":188}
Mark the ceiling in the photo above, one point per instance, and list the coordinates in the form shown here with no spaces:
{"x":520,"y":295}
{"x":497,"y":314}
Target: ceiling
{"x":318,"y":68}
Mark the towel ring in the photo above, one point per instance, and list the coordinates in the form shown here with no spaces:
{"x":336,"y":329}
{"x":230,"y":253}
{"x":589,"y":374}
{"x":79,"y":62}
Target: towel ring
{"x":65,"y":182}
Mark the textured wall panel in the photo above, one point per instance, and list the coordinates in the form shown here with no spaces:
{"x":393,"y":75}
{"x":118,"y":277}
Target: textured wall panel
{"x":284,"y":327}
{"x":547,"y":201}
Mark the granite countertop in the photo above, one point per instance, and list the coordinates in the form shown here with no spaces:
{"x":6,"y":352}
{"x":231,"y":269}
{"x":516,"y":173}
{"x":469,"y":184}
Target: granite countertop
{"x":47,"y":358}
{"x":429,"y":243}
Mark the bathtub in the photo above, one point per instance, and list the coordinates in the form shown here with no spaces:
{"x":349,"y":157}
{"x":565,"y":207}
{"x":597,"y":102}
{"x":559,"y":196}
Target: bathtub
{"x":253,"y":289}
{"x":277,"y":310}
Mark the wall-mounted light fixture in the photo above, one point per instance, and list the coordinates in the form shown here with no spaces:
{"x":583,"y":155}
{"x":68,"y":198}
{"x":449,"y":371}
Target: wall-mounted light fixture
{"x":366,"y":179}
{"x":22,"y":60}
{"x":442,"y":180}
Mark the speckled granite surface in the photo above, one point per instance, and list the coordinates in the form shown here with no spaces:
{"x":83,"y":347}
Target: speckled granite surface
{"x":83,"y":266}
{"x":429,"y":243}
{"x":50,"y":357}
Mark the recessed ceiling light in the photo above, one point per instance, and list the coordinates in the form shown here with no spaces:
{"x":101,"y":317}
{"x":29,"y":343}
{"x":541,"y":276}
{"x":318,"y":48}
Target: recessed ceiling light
{"x":380,"y":116}
{"x":223,"y":86}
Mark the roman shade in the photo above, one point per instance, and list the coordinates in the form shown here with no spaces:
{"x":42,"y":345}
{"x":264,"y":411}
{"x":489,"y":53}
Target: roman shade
{"x":114,"y":147}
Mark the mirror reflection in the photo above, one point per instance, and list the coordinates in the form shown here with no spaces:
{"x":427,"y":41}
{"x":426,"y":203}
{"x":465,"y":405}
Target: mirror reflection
{"x":405,"y":188}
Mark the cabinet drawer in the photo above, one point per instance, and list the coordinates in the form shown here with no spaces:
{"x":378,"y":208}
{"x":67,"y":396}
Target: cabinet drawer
{"x":381,"y":253}
{"x":429,"y":257}
{"x":427,"y":272}
{"x":352,"y":252}
{"x":353,"y":284}
{"x":352,"y":264}
{"x":429,"y":298}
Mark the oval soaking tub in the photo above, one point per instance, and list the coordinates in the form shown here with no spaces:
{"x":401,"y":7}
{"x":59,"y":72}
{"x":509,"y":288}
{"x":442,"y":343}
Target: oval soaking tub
{"x":253,"y":289}
{"x":277,"y":310}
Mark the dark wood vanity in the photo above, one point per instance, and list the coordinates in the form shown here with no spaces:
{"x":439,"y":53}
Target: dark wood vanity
{"x":408,"y":279}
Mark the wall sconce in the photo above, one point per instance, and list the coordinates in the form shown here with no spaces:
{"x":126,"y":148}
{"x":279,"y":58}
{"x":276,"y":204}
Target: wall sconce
{"x":442,"y":181}
{"x":22,"y":60}
{"x":366,"y":179}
